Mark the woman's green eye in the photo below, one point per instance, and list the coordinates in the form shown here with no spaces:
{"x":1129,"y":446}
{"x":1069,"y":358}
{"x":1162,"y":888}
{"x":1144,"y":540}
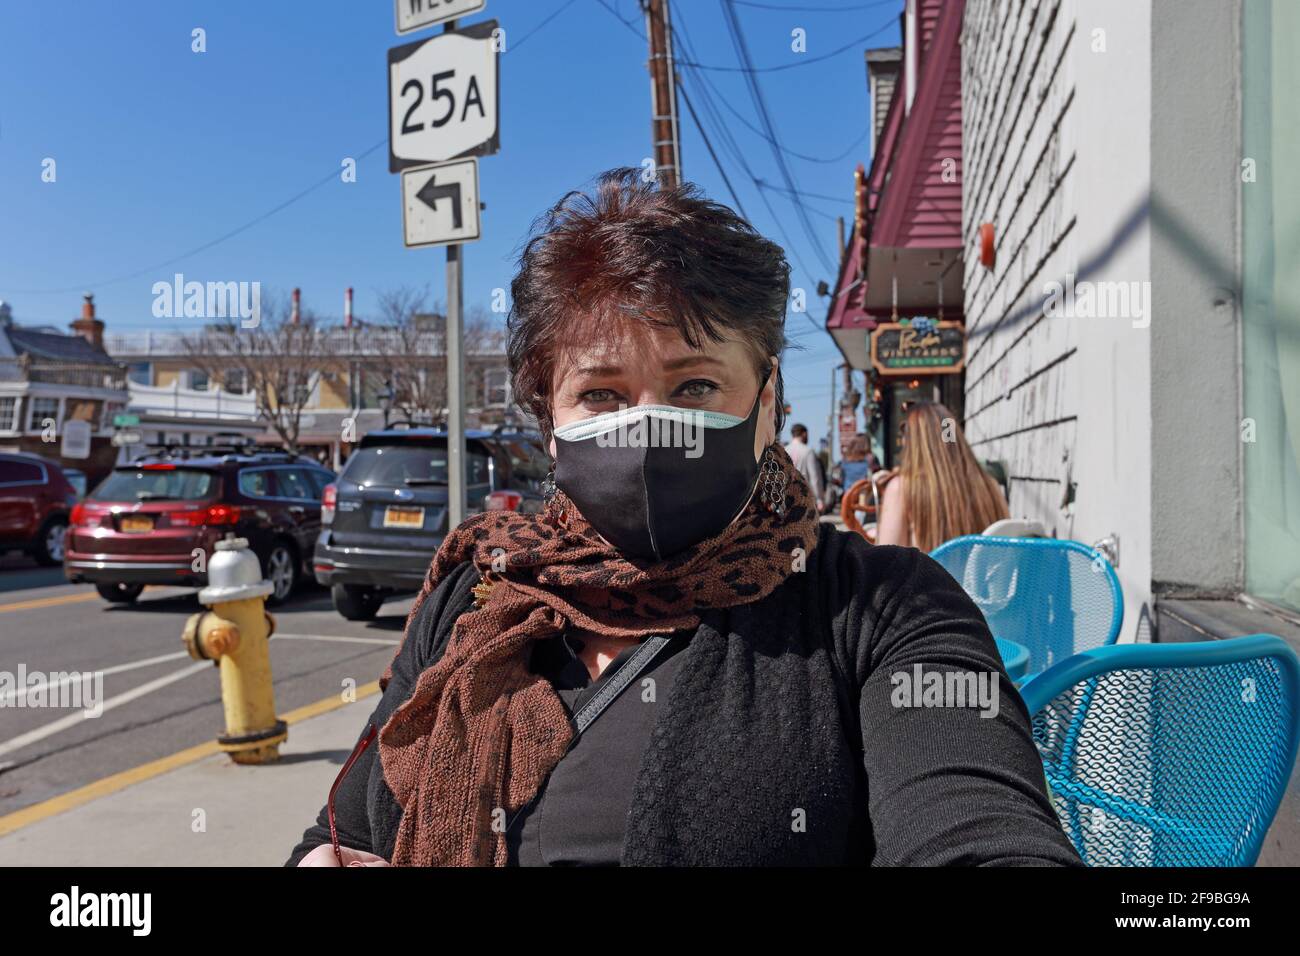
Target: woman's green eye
{"x":599,"y":396}
{"x":697,"y":389}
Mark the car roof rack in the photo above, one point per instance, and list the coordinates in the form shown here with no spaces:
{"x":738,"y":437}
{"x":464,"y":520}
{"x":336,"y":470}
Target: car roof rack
{"x":224,"y":449}
{"x":399,"y":424}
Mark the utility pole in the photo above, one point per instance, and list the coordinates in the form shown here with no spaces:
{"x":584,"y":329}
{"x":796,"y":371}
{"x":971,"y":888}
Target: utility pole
{"x":456,"y":501}
{"x":663,"y":94}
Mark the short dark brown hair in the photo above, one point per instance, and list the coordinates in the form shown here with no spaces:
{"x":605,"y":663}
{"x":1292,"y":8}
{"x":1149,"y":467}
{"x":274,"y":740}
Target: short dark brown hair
{"x":633,"y":250}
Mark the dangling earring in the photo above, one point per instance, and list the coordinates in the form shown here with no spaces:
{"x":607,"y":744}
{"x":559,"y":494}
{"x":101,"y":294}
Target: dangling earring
{"x":772,"y":480}
{"x":552,"y":511}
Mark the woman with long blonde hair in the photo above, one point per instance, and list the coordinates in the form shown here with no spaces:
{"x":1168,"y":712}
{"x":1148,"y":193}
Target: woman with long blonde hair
{"x":940,"y":492}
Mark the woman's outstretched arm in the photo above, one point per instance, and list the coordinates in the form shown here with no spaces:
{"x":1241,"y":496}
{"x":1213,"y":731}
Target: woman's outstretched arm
{"x":955,"y":778}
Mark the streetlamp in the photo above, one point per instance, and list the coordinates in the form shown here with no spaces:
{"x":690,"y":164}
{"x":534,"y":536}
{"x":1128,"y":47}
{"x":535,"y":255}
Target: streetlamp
{"x":386,"y":400}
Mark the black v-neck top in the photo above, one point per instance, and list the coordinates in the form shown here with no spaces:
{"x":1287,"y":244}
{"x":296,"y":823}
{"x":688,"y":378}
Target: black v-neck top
{"x":579,"y":816}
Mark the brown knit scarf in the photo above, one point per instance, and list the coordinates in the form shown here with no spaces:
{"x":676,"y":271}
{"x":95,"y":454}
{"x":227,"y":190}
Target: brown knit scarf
{"x":480,"y":732}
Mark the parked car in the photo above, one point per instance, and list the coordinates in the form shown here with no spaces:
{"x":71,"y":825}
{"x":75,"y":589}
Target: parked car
{"x":158,"y":519}
{"x":77,"y":478}
{"x":36,"y":501}
{"x":384,"y":519}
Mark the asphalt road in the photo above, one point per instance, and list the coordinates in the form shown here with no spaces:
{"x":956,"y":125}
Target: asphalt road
{"x":157,"y":700}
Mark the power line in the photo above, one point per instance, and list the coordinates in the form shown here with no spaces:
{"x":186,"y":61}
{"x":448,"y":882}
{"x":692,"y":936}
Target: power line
{"x":802,"y":8}
{"x":270,"y":212}
{"x":810,"y":159}
{"x":802,"y":61}
{"x":520,"y":42}
{"x":737,"y":154}
{"x":333,"y":174}
{"x":708,"y":145}
{"x":627,"y":23}
{"x":709,"y":115}
{"x":765,"y":118}
{"x":807,"y":195}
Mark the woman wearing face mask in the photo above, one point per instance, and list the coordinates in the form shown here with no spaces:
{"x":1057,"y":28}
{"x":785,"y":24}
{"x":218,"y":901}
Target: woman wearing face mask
{"x":675,"y":663}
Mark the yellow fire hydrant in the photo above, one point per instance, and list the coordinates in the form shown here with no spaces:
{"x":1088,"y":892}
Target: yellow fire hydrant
{"x":235,"y":634}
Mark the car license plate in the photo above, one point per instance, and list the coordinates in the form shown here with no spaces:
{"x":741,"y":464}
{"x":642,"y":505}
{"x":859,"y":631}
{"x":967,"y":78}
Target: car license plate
{"x":399,"y":517}
{"x":136,"y":523}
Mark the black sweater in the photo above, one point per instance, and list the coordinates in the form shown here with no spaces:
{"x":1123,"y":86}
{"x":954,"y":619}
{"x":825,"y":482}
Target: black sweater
{"x":783,"y":740}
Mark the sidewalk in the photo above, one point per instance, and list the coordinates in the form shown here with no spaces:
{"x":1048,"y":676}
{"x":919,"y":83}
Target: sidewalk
{"x":254,"y":815}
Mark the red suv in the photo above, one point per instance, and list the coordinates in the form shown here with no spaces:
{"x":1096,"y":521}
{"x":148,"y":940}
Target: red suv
{"x":157,"y":521}
{"x":35,"y":501}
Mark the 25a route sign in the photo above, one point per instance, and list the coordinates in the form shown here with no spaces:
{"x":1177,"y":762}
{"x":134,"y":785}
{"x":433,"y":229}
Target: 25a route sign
{"x":443,"y":97}
{"x":440,"y":204}
{"x":417,"y":14}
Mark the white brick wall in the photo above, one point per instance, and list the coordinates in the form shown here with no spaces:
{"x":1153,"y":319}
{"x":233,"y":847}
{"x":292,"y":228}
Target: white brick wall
{"x":1056,"y":139}
{"x":1020,"y":406}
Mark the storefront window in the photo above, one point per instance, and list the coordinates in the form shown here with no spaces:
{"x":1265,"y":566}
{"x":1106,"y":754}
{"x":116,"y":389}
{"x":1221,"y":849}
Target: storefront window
{"x":1271,"y":298}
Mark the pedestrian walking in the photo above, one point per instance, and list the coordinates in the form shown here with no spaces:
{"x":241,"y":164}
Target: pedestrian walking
{"x":808,"y":463}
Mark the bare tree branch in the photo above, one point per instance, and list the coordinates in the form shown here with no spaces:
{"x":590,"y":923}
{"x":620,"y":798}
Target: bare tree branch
{"x":281,"y":361}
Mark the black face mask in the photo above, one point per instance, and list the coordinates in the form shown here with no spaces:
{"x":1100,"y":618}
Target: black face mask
{"x":654,"y":480}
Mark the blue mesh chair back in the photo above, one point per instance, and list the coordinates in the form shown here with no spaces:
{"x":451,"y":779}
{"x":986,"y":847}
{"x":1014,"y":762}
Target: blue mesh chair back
{"x":1054,"y":598}
{"x":1169,"y":754}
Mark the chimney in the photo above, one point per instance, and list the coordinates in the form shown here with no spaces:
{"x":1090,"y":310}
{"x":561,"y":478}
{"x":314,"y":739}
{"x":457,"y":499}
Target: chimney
{"x":89,"y":327}
{"x":883,"y":66}
{"x":347,"y":308}
{"x":295,"y":314}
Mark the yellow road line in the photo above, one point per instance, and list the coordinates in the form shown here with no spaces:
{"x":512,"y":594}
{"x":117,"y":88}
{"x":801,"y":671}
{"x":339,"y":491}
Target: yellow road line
{"x":126,"y":778}
{"x":49,"y":601}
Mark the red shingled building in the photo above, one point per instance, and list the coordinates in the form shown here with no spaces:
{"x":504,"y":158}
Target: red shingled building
{"x":903,"y":259}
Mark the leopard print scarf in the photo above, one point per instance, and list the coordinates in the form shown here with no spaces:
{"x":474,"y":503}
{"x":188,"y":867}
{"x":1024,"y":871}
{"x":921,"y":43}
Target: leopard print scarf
{"x":480,"y":732}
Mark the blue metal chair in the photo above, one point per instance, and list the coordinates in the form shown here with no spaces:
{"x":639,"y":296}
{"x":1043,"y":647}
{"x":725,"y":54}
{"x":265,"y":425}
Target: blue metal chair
{"x":1054,"y":598}
{"x":1169,"y":754}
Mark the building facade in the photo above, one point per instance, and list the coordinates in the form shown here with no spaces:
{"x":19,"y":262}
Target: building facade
{"x":1132,"y":338}
{"x":897,"y":311}
{"x":60,"y":392}
{"x":189,"y":401}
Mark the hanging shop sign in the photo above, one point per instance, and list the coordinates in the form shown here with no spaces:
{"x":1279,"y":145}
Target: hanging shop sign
{"x":918,"y":347}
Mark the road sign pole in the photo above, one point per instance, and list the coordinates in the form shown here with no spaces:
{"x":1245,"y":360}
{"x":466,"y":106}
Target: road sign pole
{"x":455,"y":385}
{"x":437,"y":160}
{"x":455,"y":388}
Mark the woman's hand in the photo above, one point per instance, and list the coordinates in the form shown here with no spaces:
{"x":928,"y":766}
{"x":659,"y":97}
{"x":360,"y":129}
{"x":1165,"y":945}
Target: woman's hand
{"x":323,"y":855}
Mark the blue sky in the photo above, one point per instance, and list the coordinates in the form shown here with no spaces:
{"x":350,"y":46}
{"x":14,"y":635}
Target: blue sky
{"x":161,"y":150}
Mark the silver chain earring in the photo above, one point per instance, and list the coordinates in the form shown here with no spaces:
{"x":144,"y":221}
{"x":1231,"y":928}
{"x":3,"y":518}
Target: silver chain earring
{"x":772,"y":480}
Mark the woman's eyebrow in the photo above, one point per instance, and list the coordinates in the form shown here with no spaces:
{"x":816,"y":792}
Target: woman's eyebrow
{"x":599,"y":370}
{"x":690,"y":361}
{"x":673,"y":365}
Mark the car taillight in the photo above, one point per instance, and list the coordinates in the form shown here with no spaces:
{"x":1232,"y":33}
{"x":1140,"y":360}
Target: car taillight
{"x":329,"y":500}
{"x":78,"y":515}
{"x":213,"y":515}
{"x":502,"y":501}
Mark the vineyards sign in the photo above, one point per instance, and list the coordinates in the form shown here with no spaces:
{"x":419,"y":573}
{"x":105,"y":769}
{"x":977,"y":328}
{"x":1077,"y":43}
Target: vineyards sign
{"x":918,"y":347}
